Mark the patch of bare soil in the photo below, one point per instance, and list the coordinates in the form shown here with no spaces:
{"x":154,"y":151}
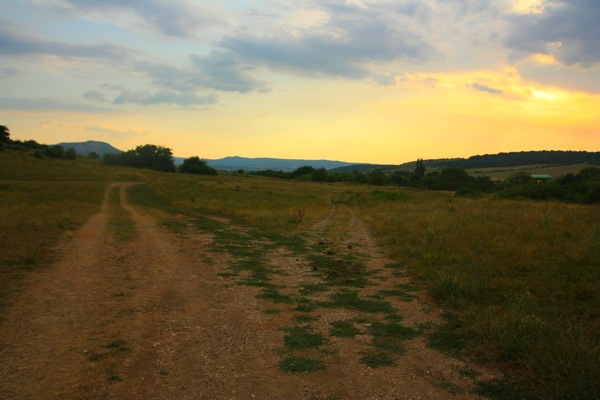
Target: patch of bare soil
{"x":150,"y":317}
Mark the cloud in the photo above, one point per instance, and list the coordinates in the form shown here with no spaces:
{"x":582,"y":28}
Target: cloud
{"x":568,"y":31}
{"x":346,"y":44}
{"x":117,"y":131}
{"x":145,"y":98}
{"x":16,"y":41}
{"x":94,"y":95}
{"x":49,"y":104}
{"x":220,"y":70}
{"x":173,"y":18}
{"x":178,"y":84}
{"x":8,"y":72}
{"x":484,"y":88}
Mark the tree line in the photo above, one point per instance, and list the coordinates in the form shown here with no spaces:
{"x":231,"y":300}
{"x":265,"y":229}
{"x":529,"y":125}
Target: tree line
{"x":158,"y":158}
{"x":583,"y":187}
{"x":39,"y":150}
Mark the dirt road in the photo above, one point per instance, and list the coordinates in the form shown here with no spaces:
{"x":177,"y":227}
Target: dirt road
{"x":134,"y":311}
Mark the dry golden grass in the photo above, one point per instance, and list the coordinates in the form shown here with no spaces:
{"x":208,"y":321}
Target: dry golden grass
{"x":41,"y":200}
{"x":524,"y":276}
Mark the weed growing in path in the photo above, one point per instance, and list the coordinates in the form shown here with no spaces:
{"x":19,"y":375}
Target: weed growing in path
{"x":301,"y":364}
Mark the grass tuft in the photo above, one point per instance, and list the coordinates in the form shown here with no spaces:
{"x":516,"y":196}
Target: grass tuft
{"x":343,"y":329}
{"x":377,"y":359}
{"x":300,"y":338}
{"x":301,"y":364}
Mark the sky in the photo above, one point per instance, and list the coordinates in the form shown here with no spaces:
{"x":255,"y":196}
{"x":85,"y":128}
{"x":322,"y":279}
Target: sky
{"x":359,"y":81}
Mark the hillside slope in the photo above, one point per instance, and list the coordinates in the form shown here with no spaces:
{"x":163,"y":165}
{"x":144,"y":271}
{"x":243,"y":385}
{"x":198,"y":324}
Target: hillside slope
{"x":85,"y":148}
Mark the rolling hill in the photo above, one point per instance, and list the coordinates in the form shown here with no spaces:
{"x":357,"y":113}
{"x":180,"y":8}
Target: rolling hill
{"x":260,"y":164}
{"x":91,"y":146}
{"x":510,"y":159}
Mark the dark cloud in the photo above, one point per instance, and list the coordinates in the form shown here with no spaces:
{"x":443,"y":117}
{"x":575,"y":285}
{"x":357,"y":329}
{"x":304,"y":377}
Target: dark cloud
{"x":575,"y":79}
{"x":164,"y":97}
{"x":94,"y":95}
{"x":173,"y":18}
{"x":353,"y":39}
{"x":16,"y":41}
{"x":7,"y":72}
{"x":569,"y":31}
{"x":48,"y":104}
{"x":219,"y":70}
{"x":178,"y":84}
{"x":484,"y":88}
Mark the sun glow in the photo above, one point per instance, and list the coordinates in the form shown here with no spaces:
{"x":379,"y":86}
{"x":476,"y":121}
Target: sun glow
{"x":528,"y":6}
{"x":545,"y":59}
{"x":540,"y":94}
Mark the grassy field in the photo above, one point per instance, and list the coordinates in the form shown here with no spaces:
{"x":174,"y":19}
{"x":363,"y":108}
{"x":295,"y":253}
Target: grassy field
{"x":520,"y":280}
{"x":500,"y":173}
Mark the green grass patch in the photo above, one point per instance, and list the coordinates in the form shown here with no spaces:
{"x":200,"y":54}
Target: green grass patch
{"x":521,"y":275}
{"x":377,"y":359}
{"x":343,"y":329}
{"x":310,"y":288}
{"x":393,"y":330}
{"x":301,"y":364}
{"x":300,"y":338}
{"x":401,"y":291}
{"x":341,"y":271}
{"x":389,"y":345}
{"x":120,"y":222}
{"x":143,"y":195}
{"x":272,"y":294}
{"x":305,"y":318}
{"x":118,"y":345}
{"x":351,"y":300}
{"x":451,"y":388}
{"x":448,"y":338}
{"x":305,"y":305}
{"x":502,"y":389}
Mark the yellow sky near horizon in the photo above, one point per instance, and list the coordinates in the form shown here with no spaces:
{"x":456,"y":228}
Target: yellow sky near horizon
{"x":373,"y":81}
{"x":437,"y":115}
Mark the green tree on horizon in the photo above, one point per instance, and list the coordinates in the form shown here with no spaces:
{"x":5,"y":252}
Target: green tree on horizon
{"x":149,"y":156}
{"x":4,"y":134}
{"x":196,"y":165}
{"x":419,"y":171}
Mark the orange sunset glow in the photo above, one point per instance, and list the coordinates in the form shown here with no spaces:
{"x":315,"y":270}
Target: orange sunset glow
{"x":360,"y":81}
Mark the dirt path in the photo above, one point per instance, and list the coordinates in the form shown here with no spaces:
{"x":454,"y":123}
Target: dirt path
{"x":132,"y":311}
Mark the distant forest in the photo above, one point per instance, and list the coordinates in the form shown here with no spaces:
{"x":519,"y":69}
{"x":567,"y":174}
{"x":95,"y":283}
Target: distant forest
{"x":448,"y":174}
{"x":526,"y":158}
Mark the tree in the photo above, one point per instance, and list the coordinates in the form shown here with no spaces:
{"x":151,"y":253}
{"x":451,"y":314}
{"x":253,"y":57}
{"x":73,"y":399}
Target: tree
{"x":400,"y":178}
{"x":55,"y":151}
{"x":154,"y":157}
{"x":70,"y":154}
{"x":148,"y":156}
{"x":305,"y":170}
{"x":377,"y":178}
{"x":319,"y":175}
{"x":195,"y":165}
{"x":453,"y":178}
{"x":419,"y":169}
{"x":4,"y":134}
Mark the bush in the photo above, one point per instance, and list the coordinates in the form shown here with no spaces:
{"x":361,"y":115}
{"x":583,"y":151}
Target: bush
{"x":195,"y":165}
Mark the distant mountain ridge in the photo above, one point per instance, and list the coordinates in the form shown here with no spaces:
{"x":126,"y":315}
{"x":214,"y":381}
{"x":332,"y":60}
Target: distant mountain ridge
{"x":91,"y":146}
{"x":233,"y":163}
{"x":260,"y":164}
